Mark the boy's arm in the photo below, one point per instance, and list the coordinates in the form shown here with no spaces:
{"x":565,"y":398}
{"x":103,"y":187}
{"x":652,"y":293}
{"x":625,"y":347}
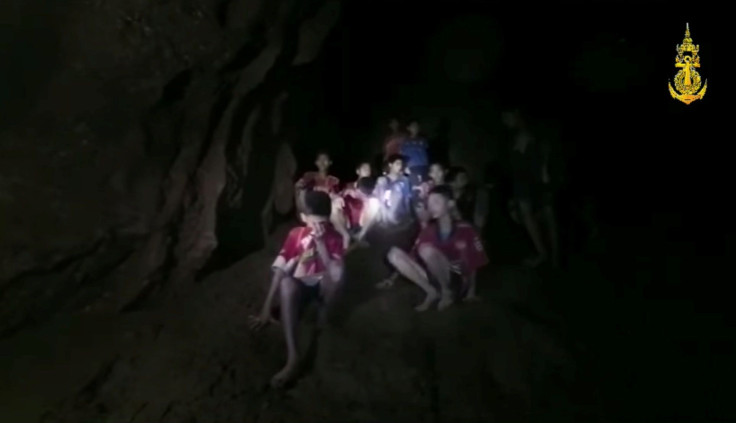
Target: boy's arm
{"x":331,"y":265}
{"x":334,"y":271}
{"x":302,"y":182}
{"x":481,"y":209}
{"x":278,"y":275}
{"x":282,"y":266}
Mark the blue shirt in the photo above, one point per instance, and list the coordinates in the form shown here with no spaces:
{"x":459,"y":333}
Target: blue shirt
{"x":415,"y":151}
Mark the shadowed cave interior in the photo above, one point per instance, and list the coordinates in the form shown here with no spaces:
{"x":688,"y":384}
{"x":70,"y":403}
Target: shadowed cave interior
{"x":148,"y":152}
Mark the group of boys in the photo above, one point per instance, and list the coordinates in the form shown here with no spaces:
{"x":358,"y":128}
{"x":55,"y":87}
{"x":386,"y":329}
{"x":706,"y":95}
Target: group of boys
{"x":310,"y":263}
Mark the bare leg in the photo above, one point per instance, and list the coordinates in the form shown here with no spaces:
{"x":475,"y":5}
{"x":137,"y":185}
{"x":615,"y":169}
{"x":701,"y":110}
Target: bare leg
{"x":329,"y":289}
{"x":439,"y":267}
{"x":551,"y":223}
{"x":290,"y":298}
{"x":367,"y":218}
{"x":470,"y":295}
{"x":415,"y":273}
{"x":532,"y":227}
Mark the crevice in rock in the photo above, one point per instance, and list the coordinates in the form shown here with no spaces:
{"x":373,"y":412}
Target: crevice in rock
{"x":158,"y":278}
{"x":224,"y":98}
{"x":221,"y":12}
{"x":236,"y":224}
{"x":249,"y":52}
{"x":90,"y":391}
{"x":175,"y":90}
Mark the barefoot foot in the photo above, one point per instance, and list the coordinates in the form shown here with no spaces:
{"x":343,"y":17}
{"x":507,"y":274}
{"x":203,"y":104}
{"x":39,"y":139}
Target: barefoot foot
{"x":445,"y":302}
{"x":386,"y":284}
{"x":428,"y":300}
{"x":286,"y":375}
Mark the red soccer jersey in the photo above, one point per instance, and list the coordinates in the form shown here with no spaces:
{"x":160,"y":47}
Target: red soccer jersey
{"x":299,"y":258}
{"x":463,"y":248}
{"x":314,"y":181}
{"x":353,"y":209}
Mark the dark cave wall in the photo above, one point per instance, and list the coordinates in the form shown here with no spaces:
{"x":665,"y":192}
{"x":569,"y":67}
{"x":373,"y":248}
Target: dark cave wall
{"x":129,"y":122}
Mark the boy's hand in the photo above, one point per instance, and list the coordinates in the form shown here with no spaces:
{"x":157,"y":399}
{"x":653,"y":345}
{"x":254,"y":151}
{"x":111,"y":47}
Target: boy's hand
{"x":257,"y":323}
{"x":338,"y":202}
{"x":318,"y":229}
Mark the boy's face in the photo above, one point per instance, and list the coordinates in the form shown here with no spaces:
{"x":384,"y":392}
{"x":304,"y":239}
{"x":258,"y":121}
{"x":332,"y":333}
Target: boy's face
{"x":323,"y":162}
{"x":461,"y":180}
{"x":413,"y":128}
{"x":364,"y":171}
{"x":396,"y":167}
{"x":438,"y":205}
{"x":437,"y":173}
{"x":393,"y":124}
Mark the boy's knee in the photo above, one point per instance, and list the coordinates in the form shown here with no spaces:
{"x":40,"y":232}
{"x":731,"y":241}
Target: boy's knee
{"x":427,"y":252}
{"x":336,"y":271}
{"x":395,"y":254}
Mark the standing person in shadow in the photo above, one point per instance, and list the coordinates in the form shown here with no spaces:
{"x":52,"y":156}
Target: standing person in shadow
{"x":532,"y":191}
{"x":392,"y":144}
{"x":415,"y":149}
{"x":471,"y":202}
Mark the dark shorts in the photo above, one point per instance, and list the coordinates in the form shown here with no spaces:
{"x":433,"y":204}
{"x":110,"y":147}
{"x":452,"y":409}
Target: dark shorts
{"x":307,"y":294}
{"x":457,"y":285}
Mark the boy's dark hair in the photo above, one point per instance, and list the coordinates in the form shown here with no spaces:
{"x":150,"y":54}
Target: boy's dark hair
{"x":322,"y":152}
{"x":395,"y":157}
{"x":440,"y":164}
{"x":317,"y":203}
{"x":444,"y":191}
{"x":366,"y":185}
{"x":361,"y":164}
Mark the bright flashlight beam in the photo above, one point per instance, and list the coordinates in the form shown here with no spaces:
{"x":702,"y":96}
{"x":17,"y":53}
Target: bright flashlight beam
{"x":373,"y":205}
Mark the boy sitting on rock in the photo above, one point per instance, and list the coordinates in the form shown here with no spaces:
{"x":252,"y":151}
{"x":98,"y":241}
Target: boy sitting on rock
{"x":308,"y":267}
{"x":446,"y":248}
